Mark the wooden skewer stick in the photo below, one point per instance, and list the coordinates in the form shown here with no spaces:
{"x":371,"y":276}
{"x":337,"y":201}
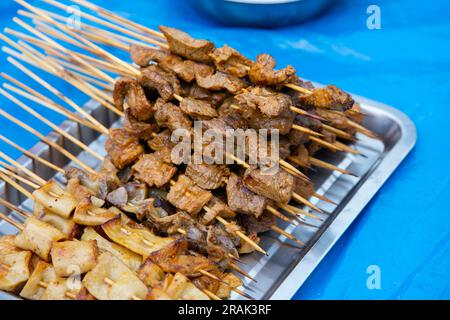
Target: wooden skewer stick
{"x":346,"y":148}
{"x":338,"y":132}
{"x":13,"y":207}
{"x":244,"y":237}
{"x":47,"y":141}
{"x":19,"y":178}
{"x":116,"y":18}
{"x":11,"y":221}
{"x":211,"y":295}
{"x":325,"y":144}
{"x":210,"y":275}
{"x":287,"y":235}
{"x":306,"y":130}
{"x":52,"y":125}
{"x":323,"y":198}
{"x":27,"y":171}
{"x":71,"y":33}
{"x":17,"y":186}
{"x":322,"y":164}
{"x":45,"y":102}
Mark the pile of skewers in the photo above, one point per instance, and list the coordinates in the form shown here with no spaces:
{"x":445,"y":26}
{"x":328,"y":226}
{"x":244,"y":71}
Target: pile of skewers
{"x":144,"y":225}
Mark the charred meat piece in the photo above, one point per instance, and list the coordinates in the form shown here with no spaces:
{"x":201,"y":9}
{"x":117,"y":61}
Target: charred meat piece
{"x":142,"y":130}
{"x":229,"y":60}
{"x":185,"y":69}
{"x":304,"y":188}
{"x":337,"y":120}
{"x":153,"y":170}
{"x":269,"y":102}
{"x":262,"y":72}
{"x":220,"y":244}
{"x":121,"y":87}
{"x":277,"y":186}
{"x":197,"y":109}
{"x":301,"y":156}
{"x":161,"y":141}
{"x":155,"y":78}
{"x":257,"y":225}
{"x":143,"y":55}
{"x":208,"y":176}
{"x":216,"y":208}
{"x":223,"y":123}
{"x":184,"y":45}
{"x":195,"y":232}
{"x":187,"y":196}
{"x":196,"y":92}
{"x":107,"y":178}
{"x":329,"y":97}
{"x":122,"y":147}
{"x":242,"y":200}
{"x":220,"y":81}
{"x":283,"y":122}
{"x":173,"y":258}
{"x":170,"y":116}
{"x":140,"y":107}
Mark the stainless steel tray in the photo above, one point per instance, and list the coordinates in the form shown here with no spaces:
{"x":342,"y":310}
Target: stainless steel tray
{"x":281,"y":274}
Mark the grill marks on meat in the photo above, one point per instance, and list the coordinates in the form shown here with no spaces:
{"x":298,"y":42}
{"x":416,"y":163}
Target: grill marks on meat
{"x":143,"y":55}
{"x":262,"y":72}
{"x":243,"y":200}
{"x":277,"y":186}
{"x":155,"y":78}
{"x":123,"y":148}
{"x":184,"y":45}
{"x":153,"y":169}
{"x":197,"y":109}
{"x":170,"y":116}
{"x":187,"y":196}
{"x":220,"y":81}
{"x":229,"y":60}
{"x":269,"y":102}
{"x":208,"y":176}
{"x":329,"y":97}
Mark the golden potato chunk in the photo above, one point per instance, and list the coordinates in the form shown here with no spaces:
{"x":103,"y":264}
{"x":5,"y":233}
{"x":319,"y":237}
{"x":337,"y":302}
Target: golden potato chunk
{"x":38,"y":236}
{"x":134,"y":237}
{"x":43,"y":273}
{"x":7,"y":245}
{"x":112,"y":280}
{"x":89,"y":215}
{"x":150,"y":274}
{"x":67,"y":226}
{"x":131,"y":259}
{"x":53,"y":197}
{"x":72,"y":258}
{"x":14,"y":270}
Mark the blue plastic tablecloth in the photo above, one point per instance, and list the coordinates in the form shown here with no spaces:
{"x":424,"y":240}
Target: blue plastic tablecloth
{"x":405,"y":230}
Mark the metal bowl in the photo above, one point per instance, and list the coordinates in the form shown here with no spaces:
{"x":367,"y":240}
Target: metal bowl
{"x":261,"y":13}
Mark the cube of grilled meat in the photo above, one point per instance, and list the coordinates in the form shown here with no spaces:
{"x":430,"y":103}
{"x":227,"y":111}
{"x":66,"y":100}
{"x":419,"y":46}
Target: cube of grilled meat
{"x":221,"y":124}
{"x":193,"y":90}
{"x":220,"y":81}
{"x":142,"y":56}
{"x":294,"y":94}
{"x":329,"y":97}
{"x":140,"y":107}
{"x":277,"y":186}
{"x":122,"y":147}
{"x":269,"y":102}
{"x":170,"y":116}
{"x":313,"y":146}
{"x":124,"y":283}
{"x":257,"y":225}
{"x":155,"y":78}
{"x":242,"y":200}
{"x":301,"y":155}
{"x":72,"y":258}
{"x":140,"y":129}
{"x":187,"y":196}
{"x":298,"y":137}
{"x":230,"y":60}
{"x":184,"y":45}
{"x":283,"y":122}
{"x":216,"y":208}
{"x":220,"y":244}
{"x":337,"y":120}
{"x":107,"y":178}
{"x":354,"y":113}
{"x":174,"y":258}
{"x":161,"y":141}
{"x":17,"y":272}
{"x":198,"y":109}
{"x":303,"y":188}
{"x":195,"y":232}
{"x":153,"y":169}
{"x":121,"y":87}
{"x":208,"y":176}
{"x":262,"y":72}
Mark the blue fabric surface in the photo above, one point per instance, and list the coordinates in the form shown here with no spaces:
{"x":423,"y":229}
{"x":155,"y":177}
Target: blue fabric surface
{"x":405,"y":230}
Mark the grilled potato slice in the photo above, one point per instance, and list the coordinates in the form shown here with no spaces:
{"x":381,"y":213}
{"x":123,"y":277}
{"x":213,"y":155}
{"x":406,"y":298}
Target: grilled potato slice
{"x":191,"y":292}
{"x":38,"y":236}
{"x":158,"y":294}
{"x":112,"y":280}
{"x":89,"y":215}
{"x":230,"y":281}
{"x":54,"y":198}
{"x":71,"y":258}
{"x":14,"y":270}
{"x":67,"y":226}
{"x":7,"y":245}
{"x":131,"y":259}
{"x":61,"y":289}
{"x":150,"y":274}
{"x":134,"y":237}
{"x":43,"y":273}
